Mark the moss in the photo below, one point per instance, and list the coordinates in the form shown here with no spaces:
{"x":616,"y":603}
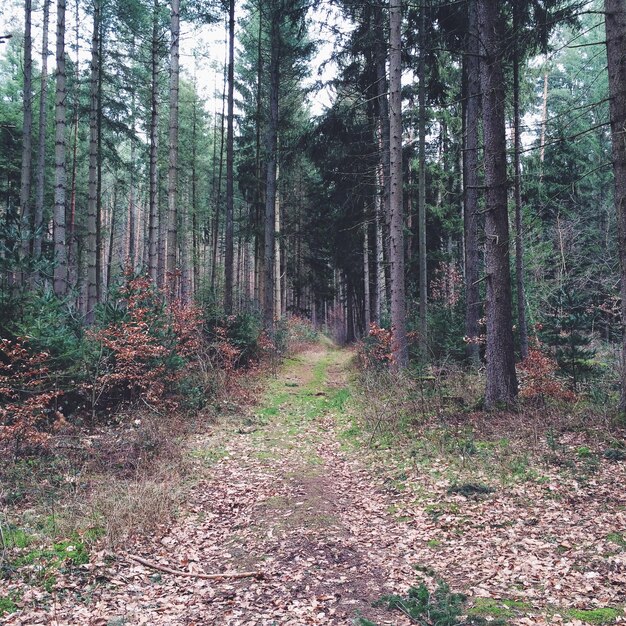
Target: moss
{"x":605,"y":615}
{"x":18,"y":538}
{"x":617,"y":538}
{"x":8,"y":604}
{"x":504,"y":608}
{"x":71,"y":551}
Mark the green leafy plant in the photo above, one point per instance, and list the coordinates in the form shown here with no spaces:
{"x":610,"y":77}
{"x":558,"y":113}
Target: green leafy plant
{"x":438,"y":608}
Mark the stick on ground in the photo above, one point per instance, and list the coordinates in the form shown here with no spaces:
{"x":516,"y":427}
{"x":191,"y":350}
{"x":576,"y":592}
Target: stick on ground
{"x":177,"y":572}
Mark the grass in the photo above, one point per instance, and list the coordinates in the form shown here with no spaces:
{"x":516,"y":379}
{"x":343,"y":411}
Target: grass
{"x":595,"y":616}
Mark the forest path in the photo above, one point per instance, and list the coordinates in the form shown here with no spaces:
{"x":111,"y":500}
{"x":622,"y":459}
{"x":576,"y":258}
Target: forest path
{"x":280,"y":492}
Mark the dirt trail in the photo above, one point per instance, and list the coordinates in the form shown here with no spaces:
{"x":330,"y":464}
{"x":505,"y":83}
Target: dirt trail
{"x":277,"y":493}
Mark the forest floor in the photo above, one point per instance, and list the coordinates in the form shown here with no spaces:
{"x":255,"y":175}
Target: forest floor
{"x":292,"y":491}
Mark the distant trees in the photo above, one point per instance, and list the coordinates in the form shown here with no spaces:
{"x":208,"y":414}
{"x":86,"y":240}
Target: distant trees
{"x":392,"y":206}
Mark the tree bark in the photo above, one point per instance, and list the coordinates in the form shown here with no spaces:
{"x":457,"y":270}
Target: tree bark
{"x":172,"y":178}
{"x":153,"y":219}
{"x":471,"y":66}
{"x":615,"y":24}
{"x":380,"y":255}
{"x":41,"y":141}
{"x":277,"y":255}
{"x":501,"y":385}
{"x":60,"y":181}
{"x":383,"y":113}
{"x":230,"y":199}
{"x":421,"y":198}
{"x":218,"y":189}
{"x":258,"y":199}
{"x":367,"y":303}
{"x":271,"y":156}
{"x":91,"y":251}
{"x":398,"y":300}
{"x":27,"y":136}
{"x":522,"y":328}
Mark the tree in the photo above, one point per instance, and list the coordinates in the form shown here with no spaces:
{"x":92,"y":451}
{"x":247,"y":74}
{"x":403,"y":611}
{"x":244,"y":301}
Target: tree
{"x":27,"y":134}
{"x":398,"y":299}
{"x":471,"y":131}
{"x":501,"y":385}
{"x":615,"y":24}
{"x":230,"y":173}
{"x":421,"y":199}
{"x":271,"y":149}
{"x":41,"y":140}
{"x":92,"y":206}
{"x":153,"y":209}
{"x":60,"y":252}
{"x":172,"y":177}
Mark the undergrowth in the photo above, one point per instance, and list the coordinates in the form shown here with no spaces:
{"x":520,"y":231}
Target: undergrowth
{"x":440,"y":607}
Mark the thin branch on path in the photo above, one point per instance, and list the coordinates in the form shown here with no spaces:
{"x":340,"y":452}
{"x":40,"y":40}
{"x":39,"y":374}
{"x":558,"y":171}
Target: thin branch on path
{"x":177,"y":572}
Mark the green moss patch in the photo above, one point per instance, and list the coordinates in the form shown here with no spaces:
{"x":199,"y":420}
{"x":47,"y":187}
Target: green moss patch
{"x":8,"y":604}
{"x":605,"y":615}
{"x":494,"y":608}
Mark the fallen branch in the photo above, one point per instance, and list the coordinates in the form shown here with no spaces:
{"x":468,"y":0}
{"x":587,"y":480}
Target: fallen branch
{"x":177,"y":572}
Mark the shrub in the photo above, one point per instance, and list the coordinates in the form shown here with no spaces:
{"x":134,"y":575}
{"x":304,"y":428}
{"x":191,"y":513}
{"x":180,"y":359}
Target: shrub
{"x":300,"y":332}
{"x":375,"y":351}
{"x":538,"y":380}
{"x":439,"y":608}
{"x":141,"y":352}
{"x":28,"y":410}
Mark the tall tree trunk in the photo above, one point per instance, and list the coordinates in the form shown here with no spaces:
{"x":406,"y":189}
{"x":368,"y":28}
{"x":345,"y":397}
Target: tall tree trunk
{"x":277,"y":255}
{"x":218,"y":189}
{"x":230,"y":200}
{"x":172,"y":178}
{"x":91,"y":251}
{"x":615,"y":24}
{"x":153,"y":219}
{"x":194,"y":198}
{"x":112,"y":227}
{"x":99,"y":246}
{"x":132,"y":191}
{"x":259,"y":257}
{"x":367,"y":302}
{"x":185,"y":251}
{"x":501,"y":380}
{"x":41,"y":141}
{"x":271,"y":156}
{"x":383,"y":113}
{"x":544,"y":123}
{"x":522,"y":328}
{"x":60,"y":252}
{"x":380,"y":256}
{"x":27,"y":135}
{"x":398,"y":300}
{"x":471,"y":122}
{"x":421,"y":198}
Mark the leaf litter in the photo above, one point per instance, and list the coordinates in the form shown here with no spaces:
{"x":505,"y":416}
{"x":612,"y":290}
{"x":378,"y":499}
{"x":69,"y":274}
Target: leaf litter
{"x":331,"y":535}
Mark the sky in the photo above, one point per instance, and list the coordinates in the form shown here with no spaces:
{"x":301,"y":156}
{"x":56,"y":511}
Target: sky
{"x":202,"y":48}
